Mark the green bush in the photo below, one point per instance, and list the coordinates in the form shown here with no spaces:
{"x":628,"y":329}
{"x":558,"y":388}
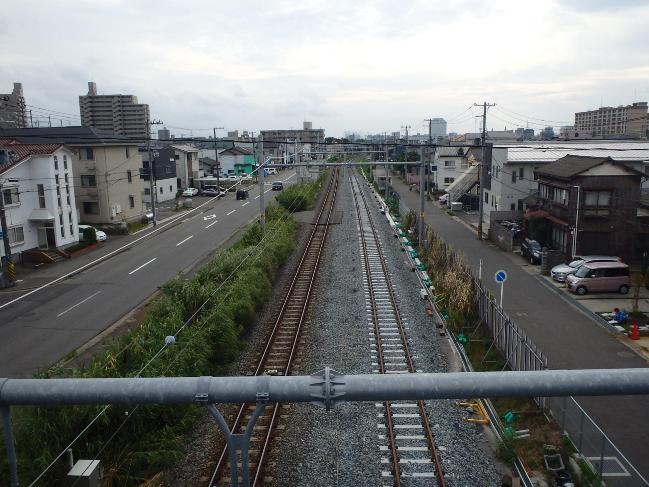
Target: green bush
{"x":154,"y":435}
{"x":302,"y":196}
{"x":90,"y":235}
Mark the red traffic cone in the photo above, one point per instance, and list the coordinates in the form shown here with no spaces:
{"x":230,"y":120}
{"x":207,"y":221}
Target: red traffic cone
{"x":634,"y":332}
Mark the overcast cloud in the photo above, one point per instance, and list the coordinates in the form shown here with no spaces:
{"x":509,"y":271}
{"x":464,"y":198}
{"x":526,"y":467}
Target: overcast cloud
{"x":368,"y":66}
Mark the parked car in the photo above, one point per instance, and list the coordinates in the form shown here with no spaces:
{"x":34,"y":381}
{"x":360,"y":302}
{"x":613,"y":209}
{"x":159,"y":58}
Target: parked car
{"x":101,"y":236}
{"x":270,"y":171}
{"x":246,"y":177}
{"x":443,"y":200}
{"x":600,"y":277}
{"x":242,"y":194}
{"x":277,"y":186}
{"x":561,"y":271}
{"x":190,"y":192}
{"x":147,"y":217}
{"x":531,"y":249}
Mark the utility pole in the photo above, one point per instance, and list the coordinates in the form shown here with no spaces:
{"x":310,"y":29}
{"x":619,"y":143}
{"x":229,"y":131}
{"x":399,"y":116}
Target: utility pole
{"x":31,"y":119}
{"x":150,"y":122}
{"x":422,"y":182}
{"x":7,"y":263}
{"x":432,"y":159}
{"x":218,"y":169}
{"x":262,"y":209}
{"x":481,"y":171}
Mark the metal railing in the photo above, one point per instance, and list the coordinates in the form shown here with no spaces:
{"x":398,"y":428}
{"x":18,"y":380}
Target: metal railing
{"x":325,"y":388}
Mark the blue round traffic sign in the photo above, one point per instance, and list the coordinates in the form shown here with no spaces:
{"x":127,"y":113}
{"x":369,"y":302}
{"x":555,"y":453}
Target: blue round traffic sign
{"x":500,"y":276}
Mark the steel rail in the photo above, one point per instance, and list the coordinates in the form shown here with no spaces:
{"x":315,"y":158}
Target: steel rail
{"x":327,"y":204}
{"x":435,"y":459}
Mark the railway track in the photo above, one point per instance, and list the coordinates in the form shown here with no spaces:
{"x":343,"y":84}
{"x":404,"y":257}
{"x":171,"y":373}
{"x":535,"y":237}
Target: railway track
{"x":279,"y":352}
{"x":409,"y":454}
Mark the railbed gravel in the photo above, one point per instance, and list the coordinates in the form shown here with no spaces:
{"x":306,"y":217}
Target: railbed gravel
{"x":341,"y":447}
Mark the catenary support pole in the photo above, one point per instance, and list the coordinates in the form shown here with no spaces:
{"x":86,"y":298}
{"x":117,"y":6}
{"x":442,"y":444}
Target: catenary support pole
{"x":261,"y":174}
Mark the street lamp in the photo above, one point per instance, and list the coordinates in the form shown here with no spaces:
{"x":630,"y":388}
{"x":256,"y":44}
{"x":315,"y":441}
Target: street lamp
{"x":576,"y":228}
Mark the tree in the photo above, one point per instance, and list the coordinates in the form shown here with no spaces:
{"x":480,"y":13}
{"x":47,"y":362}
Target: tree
{"x":90,"y":235}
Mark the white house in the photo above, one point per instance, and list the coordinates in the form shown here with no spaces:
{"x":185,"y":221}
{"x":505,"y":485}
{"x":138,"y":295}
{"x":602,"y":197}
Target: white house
{"x":187,"y":166}
{"x":450,"y":163}
{"x":38,"y":192}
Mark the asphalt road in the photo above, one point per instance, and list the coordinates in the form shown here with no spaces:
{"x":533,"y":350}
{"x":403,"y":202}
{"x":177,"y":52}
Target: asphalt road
{"x":569,"y":338}
{"x":47,"y":324}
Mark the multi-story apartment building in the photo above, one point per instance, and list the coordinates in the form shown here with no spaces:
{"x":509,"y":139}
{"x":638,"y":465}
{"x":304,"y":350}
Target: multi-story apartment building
{"x":165,"y":182}
{"x":106,"y":171}
{"x":39,"y":196}
{"x":119,"y":114}
{"x":188,"y":169}
{"x":12,"y":108}
{"x":622,"y":121}
{"x":308,"y":135}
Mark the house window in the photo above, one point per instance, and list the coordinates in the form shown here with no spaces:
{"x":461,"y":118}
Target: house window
{"x":16,"y":235}
{"x":91,"y":207}
{"x":71,"y":229}
{"x":131,"y":201}
{"x":67,"y":199}
{"x":486,"y":197}
{"x":67,"y":189}
{"x":88,"y":181}
{"x":597,"y":203}
{"x":56,"y":179}
{"x":66,"y":178}
{"x":448,"y":180}
{"x":87,"y":154}
{"x":41,"y":195}
{"x":514,"y":176}
{"x":61,"y":221}
{"x":65,"y":161}
{"x":520,"y":205}
{"x":512,"y":207}
{"x":128,"y":152}
{"x":58,"y":200}
{"x":449,"y":163}
{"x":56,"y":163}
{"x":11,"y":196}
{"x":129,"y":175}
{"x":160,"y":189}
{"x":521,"y":172}
{"x":147,"y":191}
{"x":171,"y":188}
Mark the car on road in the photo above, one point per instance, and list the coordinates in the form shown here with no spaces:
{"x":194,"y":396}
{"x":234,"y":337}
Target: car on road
{"x":271,"y":171}
{"x":443,"y":200}
{"x":242,"y":194}
{"x":277,"y":186}
{"x":561,"y":271}
{"x":531,"y":250}
{"x":600,"y":277}
{"x":211,"y":191}
{"x":190,"y":192}
{"x":101,"y":236}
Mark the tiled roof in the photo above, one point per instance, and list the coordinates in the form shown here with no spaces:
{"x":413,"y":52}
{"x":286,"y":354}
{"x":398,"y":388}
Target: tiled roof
{"x":75,"y":135}
{"x":570,"y":166}
{"x":19,"y":152}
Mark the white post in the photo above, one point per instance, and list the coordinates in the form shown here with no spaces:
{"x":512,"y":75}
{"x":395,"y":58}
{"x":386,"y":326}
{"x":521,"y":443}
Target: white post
{"x":502,"y":285}
{"x":480,"y":270}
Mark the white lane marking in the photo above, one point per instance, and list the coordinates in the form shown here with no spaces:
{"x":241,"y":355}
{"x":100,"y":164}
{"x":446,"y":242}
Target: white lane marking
{"x":267,"y":191}
{"x":78,"y":304}
{"x":138,"y":268}
{"x":106,"y":256}
{"x":292,"y":175}
{"x":209,"y":217}
{"x":246,"y":203}
{"x":228,"y":214}
{"x":183,"y":241}
{"x":257,"y":197}
{"x":215,"y":221}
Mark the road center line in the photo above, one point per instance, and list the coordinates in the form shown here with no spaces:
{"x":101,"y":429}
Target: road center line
{"x":267,"y":191}
{"x":246,"y":203}
{"x":215,"y":221}
{"x":183,"y":241}
{"x":257,"y":197}
{"x":230,"y":213}
{"x":78,"y":304}
{"x":138,"y":268}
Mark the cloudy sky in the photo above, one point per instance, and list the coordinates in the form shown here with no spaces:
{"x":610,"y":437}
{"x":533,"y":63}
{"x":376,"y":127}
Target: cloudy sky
{"x":364,"y":66}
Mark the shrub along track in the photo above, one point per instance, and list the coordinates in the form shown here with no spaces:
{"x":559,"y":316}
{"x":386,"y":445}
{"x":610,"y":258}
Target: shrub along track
{"x":279,"y":352}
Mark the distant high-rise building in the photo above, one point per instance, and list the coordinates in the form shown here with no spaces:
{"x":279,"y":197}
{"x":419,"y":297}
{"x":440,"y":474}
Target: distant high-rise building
{"x":622,"y":121}
{"x":308,"y":135}
{"x":12,"y":109}
{"x":119,"y":114}
{"x":164,"y":134}
{"x":547,"y":133}
{"x":438,"y":127}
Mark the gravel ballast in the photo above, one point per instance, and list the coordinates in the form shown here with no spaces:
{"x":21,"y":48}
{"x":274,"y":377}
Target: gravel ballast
{"x":341,"y":447}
